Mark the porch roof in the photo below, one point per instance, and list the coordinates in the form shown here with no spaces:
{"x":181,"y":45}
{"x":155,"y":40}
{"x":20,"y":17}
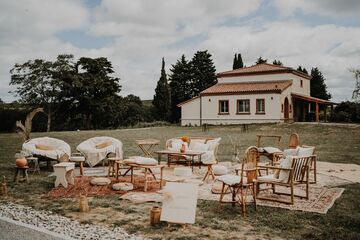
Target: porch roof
{"x":311,"y":99}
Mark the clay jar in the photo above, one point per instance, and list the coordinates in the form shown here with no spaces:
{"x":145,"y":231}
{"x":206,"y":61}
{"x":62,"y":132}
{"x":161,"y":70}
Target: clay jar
{"x":21,"y":162}
{"x":155,"y":214}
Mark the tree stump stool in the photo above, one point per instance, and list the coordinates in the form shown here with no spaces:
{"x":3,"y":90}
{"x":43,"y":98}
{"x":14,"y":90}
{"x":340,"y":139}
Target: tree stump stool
{"x":79,"y":159}
{"x":23,"y":171}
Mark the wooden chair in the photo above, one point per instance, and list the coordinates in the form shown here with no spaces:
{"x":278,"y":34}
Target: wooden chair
{"x":298,"y":173}
{"x":239,"y":185}
{"x":277,"y":138}
{"x":294,"y":140}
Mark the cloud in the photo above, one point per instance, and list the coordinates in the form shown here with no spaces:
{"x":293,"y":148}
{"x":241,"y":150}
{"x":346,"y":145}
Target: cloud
{"x":332,"y":8}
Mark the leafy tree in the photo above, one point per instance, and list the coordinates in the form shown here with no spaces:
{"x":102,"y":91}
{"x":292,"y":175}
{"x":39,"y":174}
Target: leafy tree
{"x":260,"y":60}
{"x":318,"y":88}
{"x":35,"y":84}
{"x":277,"y":62}
{"x":180,"y":80}
{"x":347,"y":112}
{"x":1,"y":101}
{"x":203,"y":72}
{"x":238,"y":62}
{"x":356,"y":92}
{"x":162,"y":101}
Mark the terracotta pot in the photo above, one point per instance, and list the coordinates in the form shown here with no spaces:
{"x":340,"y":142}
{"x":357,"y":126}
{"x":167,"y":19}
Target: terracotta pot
{"x":21,"y":162}
{"x":155,"y":214}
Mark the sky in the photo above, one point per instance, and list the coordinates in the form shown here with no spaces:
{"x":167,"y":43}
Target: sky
{"x":135,"y":34}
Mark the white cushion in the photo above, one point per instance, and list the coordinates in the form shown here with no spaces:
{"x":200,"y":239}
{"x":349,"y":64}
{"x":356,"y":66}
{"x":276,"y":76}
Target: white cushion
{"x":219,"y":170}
{"x":268,"y":178}
{"x":123,"y":186}
{"x":285,"y":163}
{"x":194,"y":141}
{"x":200,"y":147}
{"x":217,"y":187}
{"x":145,"y":161}
{"x":271,"y":150}
{"x":230,"y":179}
{"x":305,"y":152}
{"x":176,"y":145}
{"x":100,"y":181}
{"x":213,"y":143}
{"x":182,"y":172}
{"x":291,"y":152}
{"x":77,"y":159}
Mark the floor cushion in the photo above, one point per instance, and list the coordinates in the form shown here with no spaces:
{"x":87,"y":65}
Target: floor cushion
{"x":100,"y":181}
{"x":123,"y":186}
{"x":182,"y":172}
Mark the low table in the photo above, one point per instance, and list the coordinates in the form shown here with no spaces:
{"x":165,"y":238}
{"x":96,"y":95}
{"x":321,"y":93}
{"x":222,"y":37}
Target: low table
{"x":191,"y":154}
{"x":147,"y":169}
{"x":64,"y":173}
{"x":146,"y":145}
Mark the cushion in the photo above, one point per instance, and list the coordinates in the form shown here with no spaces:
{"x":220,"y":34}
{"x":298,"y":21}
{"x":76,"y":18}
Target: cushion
{"x":130,"y":160}
{"x":272,"y":150}
{"x":200,"y":147}
{"x":268,"y":178}
{"x":231,"y":179}
{"x":194,"y":141}
{"x":285,"y":163}
{"x":103,"y":145}
{"x":43,"y":147}
{"x":123,"y":186}
{"x":146,"y":161}
{"x":217,"y":187}
{"x":100,"y":181}
{"x":182,"y":172}
{"x":213,"y":143}
{"x":291,"y":152}
{"x":306,"y":152}
{"x":219,"y":170}
{"x":176,"y":145}
{"x":77,"y":158}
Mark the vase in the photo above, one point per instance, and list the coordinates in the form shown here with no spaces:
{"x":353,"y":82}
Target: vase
{"x":155,"y":214}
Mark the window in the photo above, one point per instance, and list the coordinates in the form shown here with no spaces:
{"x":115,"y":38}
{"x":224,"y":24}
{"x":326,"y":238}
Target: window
{"x":260,"y":106}
{"x":301,"y":83}
{"x":243,"y":106}
{"x":224,"y":107}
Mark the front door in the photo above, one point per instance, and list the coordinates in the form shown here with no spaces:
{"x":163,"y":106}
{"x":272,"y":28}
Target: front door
{"x":286,"y":109}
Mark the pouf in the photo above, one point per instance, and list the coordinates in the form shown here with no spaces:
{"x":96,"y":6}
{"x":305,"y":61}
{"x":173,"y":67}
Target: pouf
{"x":219,"y":170}
{"x":217,"y":187}
{"x":182,"y":172}
{"x":123,"y":186}
{"x":100,"y":181}
{"x":77,"y":159}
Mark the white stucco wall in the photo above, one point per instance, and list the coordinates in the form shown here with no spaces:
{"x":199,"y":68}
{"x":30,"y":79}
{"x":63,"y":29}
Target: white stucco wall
{"x":190,"y":113}
{"x":296,"y":86}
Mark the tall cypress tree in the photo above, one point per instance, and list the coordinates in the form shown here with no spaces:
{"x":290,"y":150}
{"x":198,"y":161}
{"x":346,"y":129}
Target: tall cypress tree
{"x":180,"y":80}
{"x":277,"y":62}
{"x":240,"y":63}
{"x":302,"y":70}
{"x":203,"y":72}
{"x":260,"y":60}
{"x":318,"y":87}
{"x":162,"y":100}
{"x":235,"y":62}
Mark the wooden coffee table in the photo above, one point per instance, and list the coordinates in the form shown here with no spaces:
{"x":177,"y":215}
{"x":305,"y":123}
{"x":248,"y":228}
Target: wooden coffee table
{"x":147,"y":169}
{"x":171,"y":153}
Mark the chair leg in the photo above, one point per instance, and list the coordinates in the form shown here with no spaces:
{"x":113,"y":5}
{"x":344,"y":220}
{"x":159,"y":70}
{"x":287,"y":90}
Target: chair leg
{"x":221,"y":195}
{"x":292,"y":193}
{"x":254,"y":194}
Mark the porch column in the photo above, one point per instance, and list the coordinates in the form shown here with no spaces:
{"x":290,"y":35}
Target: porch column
{"x":325,"y":113}
{"x":304,"y":112}
{"x":331,"y":111}
{"x":317,"y":112}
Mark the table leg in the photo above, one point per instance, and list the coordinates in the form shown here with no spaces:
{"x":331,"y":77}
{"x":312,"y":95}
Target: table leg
{"x":117,"y":166}
{"x":169,"y":159}
{"x":145,"y":183}
{"x":159,"y":158}
{"x":81,"y":168}
{"x":132,"y":174}
{"x":161,"y":177}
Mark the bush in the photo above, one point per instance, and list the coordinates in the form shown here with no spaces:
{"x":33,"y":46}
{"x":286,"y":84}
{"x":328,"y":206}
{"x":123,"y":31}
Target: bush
{"x":347,"y":112}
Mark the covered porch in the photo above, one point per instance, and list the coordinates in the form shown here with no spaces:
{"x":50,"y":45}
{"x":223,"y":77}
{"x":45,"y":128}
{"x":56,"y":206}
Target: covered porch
{"x":307,"y":109}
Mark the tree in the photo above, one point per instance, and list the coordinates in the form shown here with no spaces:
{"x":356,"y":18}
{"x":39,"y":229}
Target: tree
{"x":238,"y":62}
{"x":277,"y":62}
{"x":1,"y":101}
{"x":25,"y":129}
{"x":35,"y":84}
{"x":203,"y":72}
{"x":180,"y":80}
{"x":318,"y":88}
{"x":303,"y":70}
{"x":356,"y":92}
{"x":260,"y":60}
{"x":162,"y":100}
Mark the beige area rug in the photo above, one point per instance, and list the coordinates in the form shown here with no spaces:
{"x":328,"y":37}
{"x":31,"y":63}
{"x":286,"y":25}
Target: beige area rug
{"x":349,"y":172}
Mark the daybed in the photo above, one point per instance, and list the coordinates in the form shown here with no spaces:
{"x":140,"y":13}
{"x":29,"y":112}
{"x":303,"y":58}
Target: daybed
{"x":47,"y":147}
{"x":97,"y":149}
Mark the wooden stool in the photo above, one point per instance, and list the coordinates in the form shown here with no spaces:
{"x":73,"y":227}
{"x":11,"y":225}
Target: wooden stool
{"x":36,"y":167}
{"x":112,"y":169}
{"x":18,"y":172}
{"x":79,"y":159}
{"x":64,"y":173}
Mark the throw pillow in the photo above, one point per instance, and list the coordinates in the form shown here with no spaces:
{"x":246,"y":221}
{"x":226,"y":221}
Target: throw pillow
{"x":43,"y":147}
{"x":305,"y":152}
{"x":194,"y":141}
{"x":200,"y":147}
{"x":291,"y":151}
{"x":285,"y":163}
{"x":103,"y":145}
{"x":213,"y":143}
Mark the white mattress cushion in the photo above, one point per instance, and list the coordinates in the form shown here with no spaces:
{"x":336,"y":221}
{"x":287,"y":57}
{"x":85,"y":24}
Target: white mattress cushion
{"x":230,"y":179}
{"x":219,"y":170}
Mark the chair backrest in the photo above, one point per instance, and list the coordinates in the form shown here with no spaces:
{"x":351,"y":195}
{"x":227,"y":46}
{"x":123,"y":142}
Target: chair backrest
{"x":294,"y":140}
{"x":249,"y":164}
{"x":299,"y":166}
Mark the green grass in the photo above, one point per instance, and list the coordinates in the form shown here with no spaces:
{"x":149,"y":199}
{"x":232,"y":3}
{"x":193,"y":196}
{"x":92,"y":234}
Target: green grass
{"x":338,"y":144}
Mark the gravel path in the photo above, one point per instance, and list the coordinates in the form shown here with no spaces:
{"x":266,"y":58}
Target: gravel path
{"x":59,"y":224}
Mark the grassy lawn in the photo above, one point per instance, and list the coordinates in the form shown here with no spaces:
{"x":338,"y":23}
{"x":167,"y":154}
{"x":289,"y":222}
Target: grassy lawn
{"x":338,"y":144}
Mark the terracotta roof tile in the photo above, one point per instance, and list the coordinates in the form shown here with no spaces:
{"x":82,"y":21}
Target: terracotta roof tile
{"x":226,"y":88}
{"x":263,"y":68}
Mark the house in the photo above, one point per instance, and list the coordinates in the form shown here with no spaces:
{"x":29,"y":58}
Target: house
{"x":261,"y":93}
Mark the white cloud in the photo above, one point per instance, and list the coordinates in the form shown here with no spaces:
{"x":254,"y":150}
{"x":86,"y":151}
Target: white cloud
{"x":331,"y":8}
